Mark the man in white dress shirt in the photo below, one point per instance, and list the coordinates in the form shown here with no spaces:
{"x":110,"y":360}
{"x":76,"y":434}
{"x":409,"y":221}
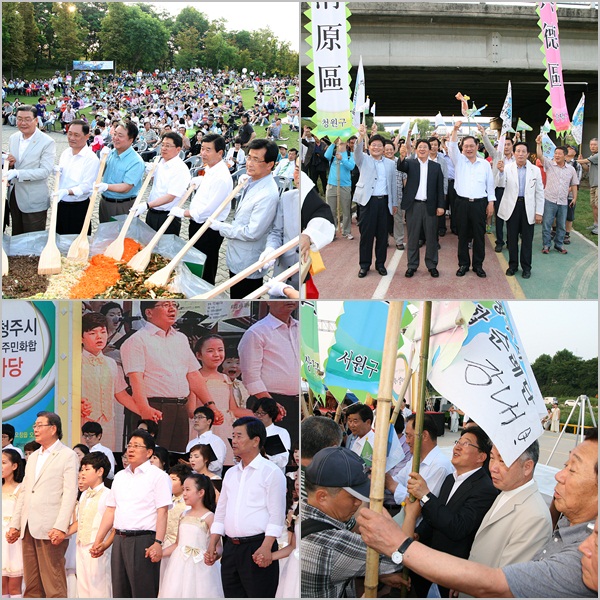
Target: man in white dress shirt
{"x":213,"y":188}
{"x":137,"y":508}
{"x":250,"y":515}
{"x":475,"y":197}
{"x":203,"y":421}
{"x":269,"y":360}
{"x":78,"y":167}
{"x":171,"y":180}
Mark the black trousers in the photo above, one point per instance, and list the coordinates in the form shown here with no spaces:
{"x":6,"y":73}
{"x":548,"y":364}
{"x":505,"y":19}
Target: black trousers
{"x":242,"y":577}
{"x":517,"y":225}
{"x":441,"y":221}
{"x":70,"y":217}
{"x":174,"y":425}
{"x":244,"y":287}
{"x":156,"y":218}
{"x":471,"y":218}
{"x":499,"y":191}
{"x":417,"y":219}
{"x":372,"y":225}
{"x":133,"y":575}
{"x":452,"y":205}
{"x":209,"y":244}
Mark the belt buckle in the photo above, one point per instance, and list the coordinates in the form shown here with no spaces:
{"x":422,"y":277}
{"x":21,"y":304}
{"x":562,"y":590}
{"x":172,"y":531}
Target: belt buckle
{"x":471,"y":199}
{"x":235,"y":541}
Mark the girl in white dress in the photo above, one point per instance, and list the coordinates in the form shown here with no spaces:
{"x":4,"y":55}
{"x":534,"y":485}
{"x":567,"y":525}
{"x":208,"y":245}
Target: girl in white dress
{"x":13,"y":471}
{"x":210,"y":351}
{"x":187,"y":576}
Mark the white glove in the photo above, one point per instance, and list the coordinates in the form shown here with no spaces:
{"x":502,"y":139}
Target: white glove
{"x":140,"y":209}
{"x":62,"y":193}
{"x":276,"y":288}
{"x":196,"y":181}
{"x":104,"y":152}
{"x":177,"y":211}
{"x":57,"y":169}
{"x":13,"y":174}
{"x":101,"y":187}
{"x":149,"y":166}
{"x":243,"y":178}
{"x":215,"y":225}
{"x":264,"y":255}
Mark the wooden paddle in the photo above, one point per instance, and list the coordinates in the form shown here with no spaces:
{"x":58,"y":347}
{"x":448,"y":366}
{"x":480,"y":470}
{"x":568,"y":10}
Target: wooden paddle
{"x":161,"y":277}
{"x":117,"y":247}
{"x":248,"y":271}
{"x":50,"y":257}
{"x":263,"y":289}
{"x":4,"y":195}
{"x":80,"y":248}
{"x":140,"y":261}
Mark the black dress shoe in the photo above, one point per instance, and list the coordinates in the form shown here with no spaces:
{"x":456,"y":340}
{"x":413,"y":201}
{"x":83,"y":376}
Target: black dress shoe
{"x":498,"y":247}
{"x":480,"y":272}
{"x":382,"y":271}
{"x":410,"y":272}
{"x":462,"y":271}
{"x":399,"y":246}
{"x":510,"y":272}
{"x":363,"y":272}
{"x":442,"y":232}
{"x":421,"y":243}
{"x":526,"y":274}
{"x":434,"y":272}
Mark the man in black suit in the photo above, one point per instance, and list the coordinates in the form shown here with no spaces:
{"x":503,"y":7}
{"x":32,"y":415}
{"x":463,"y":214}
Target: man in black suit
{"x":451,"y":520}
{"x":423,"y":201}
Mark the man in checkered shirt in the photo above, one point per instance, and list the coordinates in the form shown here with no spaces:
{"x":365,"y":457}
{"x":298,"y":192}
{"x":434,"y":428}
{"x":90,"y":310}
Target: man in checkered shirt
{"x":332,"y":555}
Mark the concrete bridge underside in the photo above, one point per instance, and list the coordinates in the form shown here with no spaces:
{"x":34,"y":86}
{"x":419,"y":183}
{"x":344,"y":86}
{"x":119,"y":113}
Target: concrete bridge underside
{"x":418,"y":55}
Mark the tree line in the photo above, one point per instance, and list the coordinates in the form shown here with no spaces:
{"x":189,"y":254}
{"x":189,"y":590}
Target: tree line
{"x":37,"y":35}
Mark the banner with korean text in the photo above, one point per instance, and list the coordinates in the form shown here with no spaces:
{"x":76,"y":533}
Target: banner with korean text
{"x":28,"y":364}
{"x":329,"y":51}
{"x":491,"y":380}
{"x":548,"y":23}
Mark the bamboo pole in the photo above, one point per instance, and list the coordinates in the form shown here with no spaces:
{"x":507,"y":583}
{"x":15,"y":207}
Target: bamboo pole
{"x":305,"y":411}
{"x":382,"y":424}
{"x":338,"y":413}
{"x":311,"y":401}
{"x":420,"y":408}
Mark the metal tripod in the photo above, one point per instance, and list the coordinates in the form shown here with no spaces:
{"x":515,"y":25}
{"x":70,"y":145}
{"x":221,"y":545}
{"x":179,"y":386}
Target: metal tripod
{"x":583,"y":402}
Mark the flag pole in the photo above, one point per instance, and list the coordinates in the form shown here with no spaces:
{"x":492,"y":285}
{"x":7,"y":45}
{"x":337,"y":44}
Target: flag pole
{"x":311,"y":401}
{"x":382,"y":425}
{"x":338,"y":413}
{"x":306,"y":413}
{"x":338,"y":192}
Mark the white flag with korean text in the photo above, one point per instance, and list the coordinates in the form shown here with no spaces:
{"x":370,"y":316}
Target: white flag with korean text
{"x":491,"y":380}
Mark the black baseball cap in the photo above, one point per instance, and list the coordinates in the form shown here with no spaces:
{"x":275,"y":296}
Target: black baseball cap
{"x":342,"y":468}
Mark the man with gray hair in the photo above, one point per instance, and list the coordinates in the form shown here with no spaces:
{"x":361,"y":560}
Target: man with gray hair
{"x":44,"y":508}
{"x":590,"y":164}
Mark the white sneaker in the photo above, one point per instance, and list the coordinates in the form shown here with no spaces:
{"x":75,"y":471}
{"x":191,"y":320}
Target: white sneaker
{"x":591,"y":227}
{"x":595,"y":230}
{"x":348,"y":236}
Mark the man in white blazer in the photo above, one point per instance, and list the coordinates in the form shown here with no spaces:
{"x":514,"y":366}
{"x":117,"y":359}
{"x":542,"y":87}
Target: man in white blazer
{"x":44,"y":508}
{"x":521,"y":206}
{"x":31,"y":159}
{"x":377,"y":195}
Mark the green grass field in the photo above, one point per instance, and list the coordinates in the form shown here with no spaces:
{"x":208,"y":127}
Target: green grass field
{"x":247,"y":97}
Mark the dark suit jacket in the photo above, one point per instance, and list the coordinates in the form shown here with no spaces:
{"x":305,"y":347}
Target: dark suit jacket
{"x":452,"y":527}
{"x":435,"y":184}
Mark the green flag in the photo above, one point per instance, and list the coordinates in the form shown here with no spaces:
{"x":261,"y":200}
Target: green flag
{"x":522,"y":126}
{"x":309,"y":348}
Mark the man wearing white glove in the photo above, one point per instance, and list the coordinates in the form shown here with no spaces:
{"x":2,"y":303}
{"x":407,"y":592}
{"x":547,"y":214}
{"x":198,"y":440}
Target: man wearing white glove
{"x":213,"y":187}
{"x":255,"y":213}
{"x":122,"y":179}
{"x":171,"y":180}
{"x":31,"y":158}
{"x":78,"y":167}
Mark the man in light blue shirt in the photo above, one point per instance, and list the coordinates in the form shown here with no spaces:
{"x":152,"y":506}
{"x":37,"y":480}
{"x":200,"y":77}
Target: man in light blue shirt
{"x":247,"y":233}
{"x":123,"y":174}
{"x":341,"y":165}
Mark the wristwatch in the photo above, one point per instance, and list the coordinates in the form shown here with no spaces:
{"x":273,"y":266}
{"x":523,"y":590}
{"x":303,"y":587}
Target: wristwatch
{"x":159,"y":542}
{"x":398,"y":556}
{"x":425,"y":499}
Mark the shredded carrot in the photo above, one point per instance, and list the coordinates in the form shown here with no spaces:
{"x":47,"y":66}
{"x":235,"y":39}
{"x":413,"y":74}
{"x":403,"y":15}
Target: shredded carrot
{"x":102,"y":273}
{"x":131,"y":249}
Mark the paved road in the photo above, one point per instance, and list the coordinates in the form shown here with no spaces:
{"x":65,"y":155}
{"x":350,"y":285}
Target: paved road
{"x":573,"y":276}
